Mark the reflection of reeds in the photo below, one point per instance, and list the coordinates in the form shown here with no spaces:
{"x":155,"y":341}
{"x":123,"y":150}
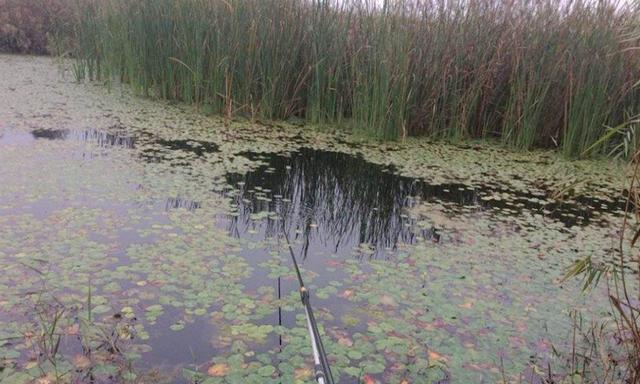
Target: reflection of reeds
{"x":331,"y":198}
{"x":529,"y":73}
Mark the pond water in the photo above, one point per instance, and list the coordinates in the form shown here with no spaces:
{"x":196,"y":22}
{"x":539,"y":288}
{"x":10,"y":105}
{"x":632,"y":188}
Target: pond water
{"x":154,"y":239}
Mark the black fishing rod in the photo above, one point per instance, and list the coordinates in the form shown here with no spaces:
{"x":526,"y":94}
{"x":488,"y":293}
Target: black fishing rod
{"x":322,"y":369}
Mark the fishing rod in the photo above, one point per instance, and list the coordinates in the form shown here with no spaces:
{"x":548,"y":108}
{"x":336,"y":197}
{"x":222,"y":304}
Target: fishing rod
{"x":321,"y":368}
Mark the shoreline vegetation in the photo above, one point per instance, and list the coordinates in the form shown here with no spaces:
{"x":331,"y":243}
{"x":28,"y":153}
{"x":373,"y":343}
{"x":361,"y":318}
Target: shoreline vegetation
{"x":39,"y":27}
{"x":527,"y":74}
{"x":530,"y":74}
{"x":76,"y":107}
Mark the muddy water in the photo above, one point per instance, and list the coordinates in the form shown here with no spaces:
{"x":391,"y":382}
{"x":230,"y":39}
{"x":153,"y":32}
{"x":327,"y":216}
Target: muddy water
{"x":171,"y":231}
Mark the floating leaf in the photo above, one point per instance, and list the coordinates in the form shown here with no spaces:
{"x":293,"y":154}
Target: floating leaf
{"x":218,"y":370}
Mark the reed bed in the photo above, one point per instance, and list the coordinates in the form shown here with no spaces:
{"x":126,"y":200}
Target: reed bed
{"x":529,"y":73}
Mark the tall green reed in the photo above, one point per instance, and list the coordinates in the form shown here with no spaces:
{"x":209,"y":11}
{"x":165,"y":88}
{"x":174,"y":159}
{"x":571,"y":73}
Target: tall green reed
{"x":527,"y":73}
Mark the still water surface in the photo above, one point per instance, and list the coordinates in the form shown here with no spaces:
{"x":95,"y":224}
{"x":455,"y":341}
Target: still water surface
{"x":195,"y":250}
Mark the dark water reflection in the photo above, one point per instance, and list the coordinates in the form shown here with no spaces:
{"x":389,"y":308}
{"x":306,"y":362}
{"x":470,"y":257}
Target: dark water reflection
{"x":337,"y":201}
{"x":98,"y":137}
{"x":180,"y":203}
{"x":332,"y":199}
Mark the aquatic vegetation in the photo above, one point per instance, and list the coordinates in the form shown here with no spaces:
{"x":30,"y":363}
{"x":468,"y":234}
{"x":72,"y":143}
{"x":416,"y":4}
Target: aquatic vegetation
{"x":163,"y":223}
{"x":531,"y":74}
{"x":64,"y":343}
{"x":617,"y":337}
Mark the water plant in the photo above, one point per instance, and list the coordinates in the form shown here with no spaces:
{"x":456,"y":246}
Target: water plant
{"x":103,"y":350}
{"x":614,"y":344}
{"x":527,"y":73}
{"x":148,"y":212}
{"x":622,"y":277}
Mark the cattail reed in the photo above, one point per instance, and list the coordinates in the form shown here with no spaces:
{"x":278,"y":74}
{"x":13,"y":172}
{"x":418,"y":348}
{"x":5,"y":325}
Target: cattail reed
{"x":530,"y":74}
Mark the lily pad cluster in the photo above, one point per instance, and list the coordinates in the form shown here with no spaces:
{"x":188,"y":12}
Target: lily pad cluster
{"x":167,"y":232}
